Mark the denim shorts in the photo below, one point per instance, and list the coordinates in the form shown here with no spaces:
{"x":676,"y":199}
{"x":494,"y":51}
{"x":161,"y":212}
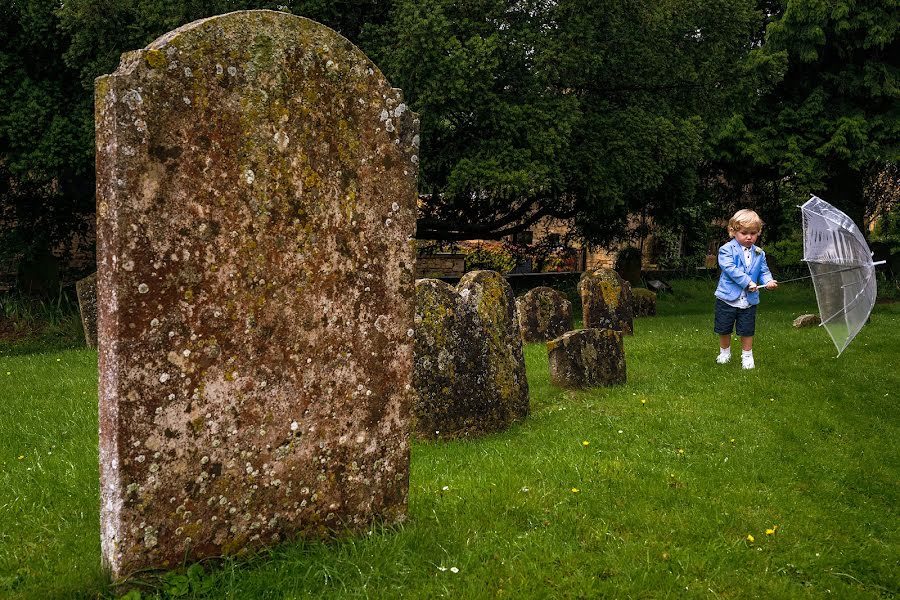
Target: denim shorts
{"x":728,"y":317}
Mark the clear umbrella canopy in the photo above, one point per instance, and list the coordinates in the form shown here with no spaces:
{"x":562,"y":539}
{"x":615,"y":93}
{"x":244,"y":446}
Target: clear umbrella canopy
{"x":842,"y":270}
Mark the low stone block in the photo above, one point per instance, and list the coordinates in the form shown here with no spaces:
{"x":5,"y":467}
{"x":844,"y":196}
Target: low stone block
{"x":587,"y":358}
{"x":469,"y":373}
{"x":807,"y":321}
{"x":644,"y":302}
{"x":544,"y":314}
{"x":86,"y":290}
{"x":606,"y":301}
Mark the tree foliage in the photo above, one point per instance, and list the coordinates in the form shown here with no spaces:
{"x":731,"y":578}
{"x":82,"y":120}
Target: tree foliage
{"x":831,"y":123}
{"x":575,"y":108}
{"x":593,"y":110}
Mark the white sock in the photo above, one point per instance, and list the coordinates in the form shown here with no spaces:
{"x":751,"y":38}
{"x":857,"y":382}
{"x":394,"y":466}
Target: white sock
{"x":725,"y":351}
{"x":746,"y":353}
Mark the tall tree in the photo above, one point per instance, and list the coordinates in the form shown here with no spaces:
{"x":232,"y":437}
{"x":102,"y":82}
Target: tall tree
{"x":571,"y":108}
{"x":495,"y":130}
{"x":832,"y":122}
{"x":46,"y":146}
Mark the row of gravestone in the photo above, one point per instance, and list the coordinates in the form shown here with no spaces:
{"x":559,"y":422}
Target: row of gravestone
{"x":256,"y":307}
{"x":543,"y":313}
{"x":593,"y":356}
{"x":469,"y":374}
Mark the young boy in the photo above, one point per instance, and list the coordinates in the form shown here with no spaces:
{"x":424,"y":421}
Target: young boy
{"x":743,"y":268}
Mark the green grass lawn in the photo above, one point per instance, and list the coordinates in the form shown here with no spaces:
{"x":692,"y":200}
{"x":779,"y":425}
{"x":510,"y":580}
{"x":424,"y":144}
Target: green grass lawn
{"x":651,"y":489}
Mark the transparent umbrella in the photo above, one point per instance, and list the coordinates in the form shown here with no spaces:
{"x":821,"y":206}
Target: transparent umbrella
{"x":841,"y":268}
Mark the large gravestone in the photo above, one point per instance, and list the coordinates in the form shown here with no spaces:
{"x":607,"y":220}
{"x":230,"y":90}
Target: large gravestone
{"x":606,"y":301}
{"x":544,"y":314}
{"x":256,"y":186}
{"x":469,"y":368}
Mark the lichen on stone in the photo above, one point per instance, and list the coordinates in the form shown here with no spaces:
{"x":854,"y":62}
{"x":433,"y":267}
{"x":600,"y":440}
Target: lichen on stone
{"x":469,"y":374}
{"x":543,"y":314}
{"x":234,"y":176}
{"x":606,"y":301}
{"x":587,"y":358}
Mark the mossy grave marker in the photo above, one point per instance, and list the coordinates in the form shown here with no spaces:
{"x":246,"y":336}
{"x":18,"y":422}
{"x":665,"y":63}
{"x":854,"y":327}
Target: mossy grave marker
{"x":544,"y":314}
{"x":256,"y":187}
{"x":469,"y":367}
{"x":606,"y":301}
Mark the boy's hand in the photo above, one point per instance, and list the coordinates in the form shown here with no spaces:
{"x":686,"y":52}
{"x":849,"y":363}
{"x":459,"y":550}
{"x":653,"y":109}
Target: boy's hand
{"x":772,"y":285}
{"x":752,"y":287}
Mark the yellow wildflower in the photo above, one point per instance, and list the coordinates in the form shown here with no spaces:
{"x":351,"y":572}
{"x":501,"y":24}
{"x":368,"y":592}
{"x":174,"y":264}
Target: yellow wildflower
{"x":21,"y":457}
{"x":575,"y":490}
{"x":585,"y":443}
{"x":750,"y":538}
{"x":772,"y":530}
{"x":643,"y":401}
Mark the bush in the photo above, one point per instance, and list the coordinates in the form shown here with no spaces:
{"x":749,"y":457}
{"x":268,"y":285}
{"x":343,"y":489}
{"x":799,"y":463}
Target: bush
{"x":786,"y":254}
{"x":491,"y":256}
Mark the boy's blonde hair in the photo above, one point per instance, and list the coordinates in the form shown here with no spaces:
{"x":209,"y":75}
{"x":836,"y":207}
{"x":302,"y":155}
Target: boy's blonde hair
{"x":745,"y":219}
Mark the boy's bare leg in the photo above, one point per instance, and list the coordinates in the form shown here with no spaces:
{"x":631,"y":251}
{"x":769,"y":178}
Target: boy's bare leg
{"x":747,"y":343}
{"x":725,"y":341}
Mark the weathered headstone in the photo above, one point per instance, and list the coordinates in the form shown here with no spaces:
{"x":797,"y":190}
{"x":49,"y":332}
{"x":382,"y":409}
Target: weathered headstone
{"x":606,"y":301}
{"x":587,"y":358}
{"x":544,"y":314}
{"x":86,"y":290}
{"x":644,"y":302}
{"x":807,"y":321}
{"x":469,"y":368}
{"x":628,"y":265}
{"x":256,"y":188}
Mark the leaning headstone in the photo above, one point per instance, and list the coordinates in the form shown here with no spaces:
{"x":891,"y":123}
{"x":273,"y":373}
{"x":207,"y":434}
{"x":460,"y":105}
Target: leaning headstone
{"x":86,"y":290}
{"x":544,"y":314}
{"x":256,"y":189}
{"x":587,"y":358}
{"x":606,"y":301}
{"x":807,"y":321}
{"x":644,"y":302}
{"x":469,"y":368}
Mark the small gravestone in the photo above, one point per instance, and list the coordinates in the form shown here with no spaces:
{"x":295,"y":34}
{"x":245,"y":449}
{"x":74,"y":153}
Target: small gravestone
{"x":628,"y":265}
{"x":807,"y":321}
{"x":256,"y":189}
{"x":587,"y":358}
{"x":544,"y":314}
{"x":469,"y":369}
{"x":606,"y":301}
{"x":86,"y":290}
{"x":644,"y":302}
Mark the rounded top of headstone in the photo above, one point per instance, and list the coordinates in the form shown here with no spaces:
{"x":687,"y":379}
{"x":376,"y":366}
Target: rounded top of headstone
{"x":602,"y":274}
{"x":227,"y":30}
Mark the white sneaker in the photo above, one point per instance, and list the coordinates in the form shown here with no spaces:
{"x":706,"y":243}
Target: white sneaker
{"x":747,"y":362}
{"x":723,"y":358}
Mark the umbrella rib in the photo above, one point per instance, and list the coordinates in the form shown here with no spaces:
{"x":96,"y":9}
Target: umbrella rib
{"x":823,"y":215}
{"x":850,"y":304}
